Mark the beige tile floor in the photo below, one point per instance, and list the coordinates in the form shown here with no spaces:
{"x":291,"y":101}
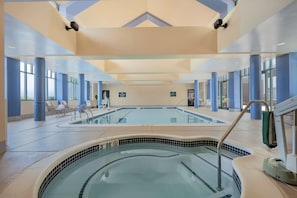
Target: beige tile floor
{"x":32,"y":146}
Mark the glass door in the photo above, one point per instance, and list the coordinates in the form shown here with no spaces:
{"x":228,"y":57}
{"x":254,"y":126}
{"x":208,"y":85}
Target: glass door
{"x":270,"y":87}
{"x":223,"y":94}
{"x":191,"y":97}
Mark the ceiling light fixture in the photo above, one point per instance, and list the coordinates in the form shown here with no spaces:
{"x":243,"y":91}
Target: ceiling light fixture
{"x":281,"y":44}
{"x":219,"y":23}
{"x":73,"y":25}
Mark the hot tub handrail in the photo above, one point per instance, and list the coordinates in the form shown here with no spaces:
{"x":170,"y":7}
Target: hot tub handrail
{"x":227,"y":132}
{"x":83,"y":109}
{"x":89,"y":109}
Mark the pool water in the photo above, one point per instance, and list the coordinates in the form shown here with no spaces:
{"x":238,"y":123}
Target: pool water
{"x":150,"y":116}
{"x":146,"y":171}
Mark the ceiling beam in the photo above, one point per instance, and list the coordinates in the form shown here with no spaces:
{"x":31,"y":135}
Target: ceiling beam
{"x":148,"y":41}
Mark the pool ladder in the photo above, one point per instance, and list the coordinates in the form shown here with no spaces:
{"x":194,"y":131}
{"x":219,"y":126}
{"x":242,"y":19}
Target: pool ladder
{"x":227,"y":132}
{"x":84,"y":109}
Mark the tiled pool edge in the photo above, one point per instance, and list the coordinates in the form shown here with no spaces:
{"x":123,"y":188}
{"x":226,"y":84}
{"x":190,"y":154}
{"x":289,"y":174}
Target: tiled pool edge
{"x":67,"y":159}
{"x":219,"y":122}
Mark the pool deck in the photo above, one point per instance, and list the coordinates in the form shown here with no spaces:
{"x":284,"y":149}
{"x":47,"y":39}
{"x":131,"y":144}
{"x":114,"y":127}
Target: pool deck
{"x":32,"y":146}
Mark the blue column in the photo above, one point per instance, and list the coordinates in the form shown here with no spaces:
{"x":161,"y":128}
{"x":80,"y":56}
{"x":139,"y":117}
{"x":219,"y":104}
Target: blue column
{"x":292,"y":74}
{"x":87,"y":90}
{"x":286,"y":80}
{"x":62,"y":87}
{"x":99,"y":93}
{"x":214,"y":92}
{"x":65,"y":87}
{"x":13,"y":90}
{"x":234,"y":91}
{"x":196,"y":93}
{"x":39,"y":89}
{"x":81,"y":89}
{"x":3,"y":98}
{"x":255,"y":86}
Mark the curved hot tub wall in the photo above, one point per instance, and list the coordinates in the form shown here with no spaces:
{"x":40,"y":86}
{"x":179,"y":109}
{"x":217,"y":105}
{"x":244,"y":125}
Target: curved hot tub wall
{"x":71,"y":155}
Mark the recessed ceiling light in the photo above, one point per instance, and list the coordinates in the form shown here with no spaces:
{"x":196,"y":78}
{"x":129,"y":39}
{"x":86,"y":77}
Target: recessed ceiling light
{"x":281,"y":44}
{"x":11,"y":46}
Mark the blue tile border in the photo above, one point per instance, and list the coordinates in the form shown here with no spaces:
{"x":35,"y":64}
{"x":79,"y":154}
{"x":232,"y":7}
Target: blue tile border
{"x":134,"y":140}
{"x":211,"y":120}
{"x":237,"y":181}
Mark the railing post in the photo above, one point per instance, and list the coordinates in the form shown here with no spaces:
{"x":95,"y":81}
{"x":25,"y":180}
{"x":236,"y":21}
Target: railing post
{"x":219,"y":188}
{"x":227,"y":132}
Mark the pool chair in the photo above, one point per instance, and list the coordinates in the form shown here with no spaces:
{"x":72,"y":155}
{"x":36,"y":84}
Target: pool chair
{"x":52,"y":109}
{"x":208,"y":103}
{"x":60,"y":110}
{"x":67,"y":109}
{"x":104,"y":104}
{"x":89,"y":104}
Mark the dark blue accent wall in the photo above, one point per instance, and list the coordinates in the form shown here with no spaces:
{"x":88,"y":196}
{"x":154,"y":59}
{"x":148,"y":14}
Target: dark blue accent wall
{"x":65,"y":87}
{"x":234,"y":90}
{"x":255,"y":86}
{"x":208,"y":90}
{"x":81,"y":89}
{"x":231,"y":90}
{"x":214,"y":92}
{"x":217,"y":5}
{"x":39,"y":89}
{"x":87,"y":90}
{"x":293,"y":74}
{"x":99,"y":94}
{"x":62,"y":87}
{"x":286,"y":80}
{"x":13,"y":90}
{"x":71,"y":9}
{"x":59,"y":81}
{"x":282,"y":78}
{"x":196,"y":92}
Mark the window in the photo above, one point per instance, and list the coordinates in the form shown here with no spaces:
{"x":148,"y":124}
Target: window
{"x":27,"y":81}
{"x":50,"y":85}
{"x":91,"y":91}
{"x":72,"y":88}
{"x":245,"y":96}
{"x":223,"y":91}
{"x":269,"y":82}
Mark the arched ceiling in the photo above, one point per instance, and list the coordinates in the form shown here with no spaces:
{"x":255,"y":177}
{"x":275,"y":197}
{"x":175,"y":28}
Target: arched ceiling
{"x":114,"y":13}
{"x":23,"y":42}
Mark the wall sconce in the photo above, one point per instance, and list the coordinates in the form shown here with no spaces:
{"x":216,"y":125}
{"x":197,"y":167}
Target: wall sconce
{"x":219,"y":23}
{"x":73,"y":25}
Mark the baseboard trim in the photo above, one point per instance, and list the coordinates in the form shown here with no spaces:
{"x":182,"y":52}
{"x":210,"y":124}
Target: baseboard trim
{"x":2,"y":146}
{"x":235,"y":110}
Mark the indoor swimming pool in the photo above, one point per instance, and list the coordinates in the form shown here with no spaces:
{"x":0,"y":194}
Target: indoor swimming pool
{"x":150,"y":115}
{"x":157,"y":168}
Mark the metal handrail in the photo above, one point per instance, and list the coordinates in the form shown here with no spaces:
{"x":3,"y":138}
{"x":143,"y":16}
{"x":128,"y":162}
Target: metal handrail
{"x":91,"y":113}
{"x":89,"y":118}
{"x":82,"y":109}
{"x":227,"y":132}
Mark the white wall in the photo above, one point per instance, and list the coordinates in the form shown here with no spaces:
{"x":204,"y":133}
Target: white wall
{"x":148,"y":95}
{"x":27,"y":107}
{"x":141,"y":95}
